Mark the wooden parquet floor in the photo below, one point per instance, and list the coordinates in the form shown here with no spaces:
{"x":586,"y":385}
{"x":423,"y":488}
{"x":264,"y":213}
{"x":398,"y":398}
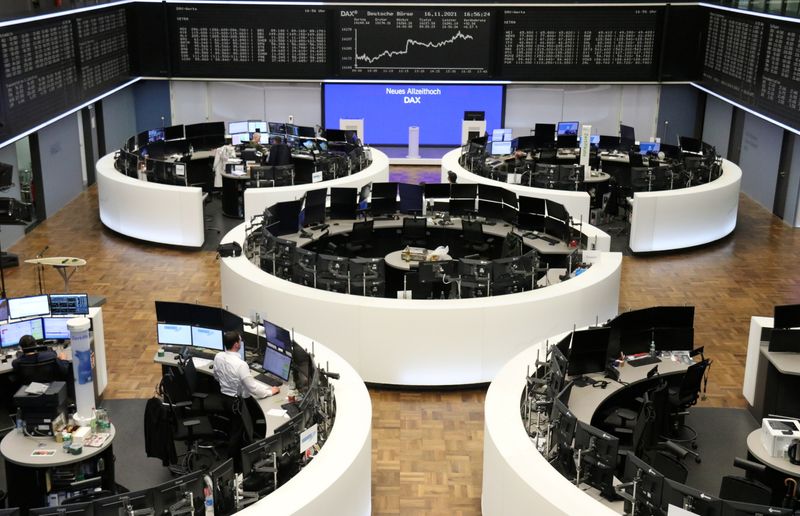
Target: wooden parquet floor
{"x":427,"y":446}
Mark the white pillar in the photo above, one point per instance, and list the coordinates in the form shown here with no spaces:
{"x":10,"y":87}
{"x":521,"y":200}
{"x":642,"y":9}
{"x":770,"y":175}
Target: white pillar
{"x":413,"y":142}
{"x":82,"y":367}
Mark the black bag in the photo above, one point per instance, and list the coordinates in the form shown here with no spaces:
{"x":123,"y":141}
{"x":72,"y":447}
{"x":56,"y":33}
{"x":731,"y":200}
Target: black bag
{"x":232,"y":249}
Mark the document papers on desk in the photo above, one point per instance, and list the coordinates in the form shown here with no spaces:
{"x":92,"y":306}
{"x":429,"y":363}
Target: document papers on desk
{"x":36,"y":388}
{"x":201,"y":362}
{"x":275,"y":412}
{"x":673,"y":510}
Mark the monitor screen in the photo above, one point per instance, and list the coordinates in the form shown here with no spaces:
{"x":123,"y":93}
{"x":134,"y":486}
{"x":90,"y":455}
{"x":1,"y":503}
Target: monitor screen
{"x":608,"y":142}
{"x":570,"y":128}
{"x":55,"y":328}
{"x":240,"y":138}
{"x":501,"y":148}
{"x":278,"y":363}
{"x":237,"y":127}
{"x":173,"y":132}
{"x":208,"y":338}
{"x":343,"y":203}
{"x":174,"y":334}
{"x":11,"y":333}
{"x":646,"y":147}
{"x":30,"y":306}
{"x":69,"y":304}
{"x":501,"y":135}
{"x":786,"y":316}
{"x":256,"y":126}
{"x":306,"y":132}
{"x":627,"y":134}
{"x":278,"y":336}
{"x":3,"y":309}
{"x":437,"y":190}
{"x":155,"y":135}
{"x":205,"y":129}
{"x":690,"y":144}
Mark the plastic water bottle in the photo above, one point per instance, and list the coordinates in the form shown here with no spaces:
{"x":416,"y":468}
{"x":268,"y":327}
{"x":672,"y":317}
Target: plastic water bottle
{"x":652,"y":348}
{"x":19,"y":422}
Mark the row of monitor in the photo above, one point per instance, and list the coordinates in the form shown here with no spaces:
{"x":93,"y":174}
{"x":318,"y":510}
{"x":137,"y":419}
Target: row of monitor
{"x":44,"y":304}
{"x":494,"y":202}
{"x":40,"y":328}
{"x":176,"y":132}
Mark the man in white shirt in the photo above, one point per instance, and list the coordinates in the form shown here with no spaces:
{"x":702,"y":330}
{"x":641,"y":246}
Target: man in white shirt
{"x":236,"y":385}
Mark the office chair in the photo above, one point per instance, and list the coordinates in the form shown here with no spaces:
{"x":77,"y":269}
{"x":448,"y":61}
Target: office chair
{"x":472,"y":233}
{"x":746,"y":489}
{"x":42,"y":372}
{"x":360,"y":237}
{"x":548,"y":156}
{"x":415,"y":231}
{"x":262,"y":176}
{"x":684,"y":396}
{"x":669,"y":466}
{"x":284,"y":175}
{"x":209,"y":399}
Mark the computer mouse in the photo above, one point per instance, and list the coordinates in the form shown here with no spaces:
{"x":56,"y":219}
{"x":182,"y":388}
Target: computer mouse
{"x":211,"y":366}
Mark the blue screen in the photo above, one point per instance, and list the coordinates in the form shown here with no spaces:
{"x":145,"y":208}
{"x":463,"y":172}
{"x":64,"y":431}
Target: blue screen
{"x":389,"y":109}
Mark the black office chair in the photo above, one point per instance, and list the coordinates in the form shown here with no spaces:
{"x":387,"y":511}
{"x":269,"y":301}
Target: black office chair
{"x":263,"y":176}
{"x":360,"y":237}
{"x":209,"y":399}
{"x":746,"y":489}
{"x":284,"y":175}
{"x":415,"y":232}
{"x":669,"y":466}
{"x":42,"y":372}
{"x":474,"y":240}
{"x":681,"y":398}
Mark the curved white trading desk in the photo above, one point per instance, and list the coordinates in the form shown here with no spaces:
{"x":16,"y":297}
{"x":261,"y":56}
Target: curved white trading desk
{"x":676,"y":219}
{"x":576,"y":203}
{"x":258,"y":199}
{"x":517,"y":479}
{"x":165,"y":214}
{"x":340,"y":474}
{"x":422,"y":342}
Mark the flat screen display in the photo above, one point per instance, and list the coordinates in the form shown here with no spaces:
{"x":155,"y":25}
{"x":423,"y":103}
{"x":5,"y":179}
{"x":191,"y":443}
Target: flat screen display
{"x":11,"y":333}
{"x":501,"y":148}
{"x":30,"y":306}
{"x":567,"y":128}
{"x":3,"y":309}
{"x":389,"y":110}
{"x":278,"y":336}
{"x":277,"y":363}
{"x":174,"y":334}
{"x":208,"y":338}
{"x":69,"y":304}
{"x":256,"y":126}
{"x":240,"y":138}
{"x":55,"y":328}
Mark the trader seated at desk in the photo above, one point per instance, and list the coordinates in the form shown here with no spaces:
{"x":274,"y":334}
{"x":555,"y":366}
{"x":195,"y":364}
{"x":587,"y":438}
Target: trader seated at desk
{"x":255,"y":142}
{"x":39,"y":360}
{"x":279,"y":153}
{"x":236,"y":385}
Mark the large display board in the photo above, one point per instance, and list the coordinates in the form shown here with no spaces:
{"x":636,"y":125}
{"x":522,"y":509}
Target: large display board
{"x":581,"y":43}
{"x":753,"y":60}
{"x":421,"y":43}
{"x":51,"y":66}
{"x":244,"y":41}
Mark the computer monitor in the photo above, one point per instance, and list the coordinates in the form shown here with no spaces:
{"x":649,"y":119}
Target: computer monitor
{"x":237,"y":127}
{"x":315,"y":206}
{"x":545,"y":135}
{"x":500,"y":148}
{"x":205,"y":129}
{"x":563,"y":423}
{"x":173,"y":132}
{"x":291,"y":130}
{"x":490,"y":193}
{"x":287,"y":214}
{"x":232,"y":322}
{"x":256,"y":126}
{"x":437,"y":190}
{"x":28,"y":306}
{"x":277,"y":363}
{"x":120,"y":503}
{"x":72,"y":509}
{"x":475,"y":115}
{"x":649,"y":147}
{"x":567,"y":141}
{"x":306,"y":132}
{"x":141,"y":139}
{"x":174,"y":334}
{"x":598,"y":457}
{"x":304,"y":263}
{"x":731,"y":508}
{"x":627,"y":134}
{"x":786,"y":316}
{"x":68,"y":304}
{"x":335,"y":135}
{"x":568,"y":128}
{"x":410,"y":198}
{"x":260,"y":455}
{"x":278,"y":336}
{"x":608,"y":143}
{"x":690,"y":499}
{"x":501,"y":135}
{"x":303,"y":367}
{"x":155,"y":135}
{"x":589,"y":351}
{"x":556,"y":210}
{"x":649,"y":483}
{"x":55,"y":328}
{"x":381,"y":190}
{"x":344,"y":203}
{"x":383,"y":206}
{"x":176,"y":494}
{"x":240,"y":138}
{"x":690,"y":144}
{"x":531,"y":205}
{"x":173,"y":312}
{"x":223,"y":477}
{"x":524,"y":143}
{"x":11,"y":333}
{"x":463,"y":191}
{"x":207,"y":338}
{"x":3,"y":309}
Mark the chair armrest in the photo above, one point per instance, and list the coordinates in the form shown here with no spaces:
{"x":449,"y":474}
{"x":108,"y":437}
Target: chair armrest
{"x":183,"y":404}
{"x":200,"y":395}
{"x":626,"y":414}
{"x":623,"y":431}
{"x":191,"y":422}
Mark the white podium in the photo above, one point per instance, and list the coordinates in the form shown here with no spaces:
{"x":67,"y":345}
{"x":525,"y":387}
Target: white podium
{"x":413,"y":142}
{"x":472,"y":126}
{"x":353,"y":124}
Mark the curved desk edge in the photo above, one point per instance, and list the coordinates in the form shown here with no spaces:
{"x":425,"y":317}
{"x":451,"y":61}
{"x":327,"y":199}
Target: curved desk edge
{"x":423,"y":342}
{"x":165,"y":214}
{"x":677,"y":219}
{"x":256,"y":200}
{"x":516,"y":477}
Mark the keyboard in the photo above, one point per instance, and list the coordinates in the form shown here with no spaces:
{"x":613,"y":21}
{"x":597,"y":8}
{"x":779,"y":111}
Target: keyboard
{"x":644,"y":361}
{"x":291,"y":409}
{"x":269,"y":380}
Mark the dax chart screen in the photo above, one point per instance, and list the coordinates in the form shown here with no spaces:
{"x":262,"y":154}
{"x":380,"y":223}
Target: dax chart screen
{"x":435,"y":43}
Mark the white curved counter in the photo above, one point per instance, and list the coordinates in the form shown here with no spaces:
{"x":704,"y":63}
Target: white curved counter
{"x":517,"y":479}
{"x":422,"y":342}
{"x":676,"y":219}
{"x":340,"y":474}
{"x":256,"y":200}
{"x":165,"y":214}
{"x":576,"y":203}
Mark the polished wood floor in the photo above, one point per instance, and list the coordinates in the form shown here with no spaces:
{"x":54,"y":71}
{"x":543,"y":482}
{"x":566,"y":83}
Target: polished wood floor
{"x":427,"y":456}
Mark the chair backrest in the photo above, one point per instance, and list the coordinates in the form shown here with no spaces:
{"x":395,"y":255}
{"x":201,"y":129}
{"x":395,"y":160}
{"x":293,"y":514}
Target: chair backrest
{"x":692,"y":383}
{"x":42,"y":372}
{"x":415,"y":228}
{"x":362,"y":231}
{"x":190,"y":376}
{"x":669,"y":466}
{"x":472,"y":231}
{"x":741,"y":489}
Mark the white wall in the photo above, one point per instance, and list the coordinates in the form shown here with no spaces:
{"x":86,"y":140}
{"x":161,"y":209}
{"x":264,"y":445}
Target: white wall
{"x":604,"y":107}
{"x":717,"y":124}
{"x":60,"y":156}
{"x":760,"y":155}
{"x":201,"y":101}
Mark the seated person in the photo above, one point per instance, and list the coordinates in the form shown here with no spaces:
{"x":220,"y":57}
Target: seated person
{"x":30,"y":356}
{"x":255,"y":142}
{"x":279,"y":153}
